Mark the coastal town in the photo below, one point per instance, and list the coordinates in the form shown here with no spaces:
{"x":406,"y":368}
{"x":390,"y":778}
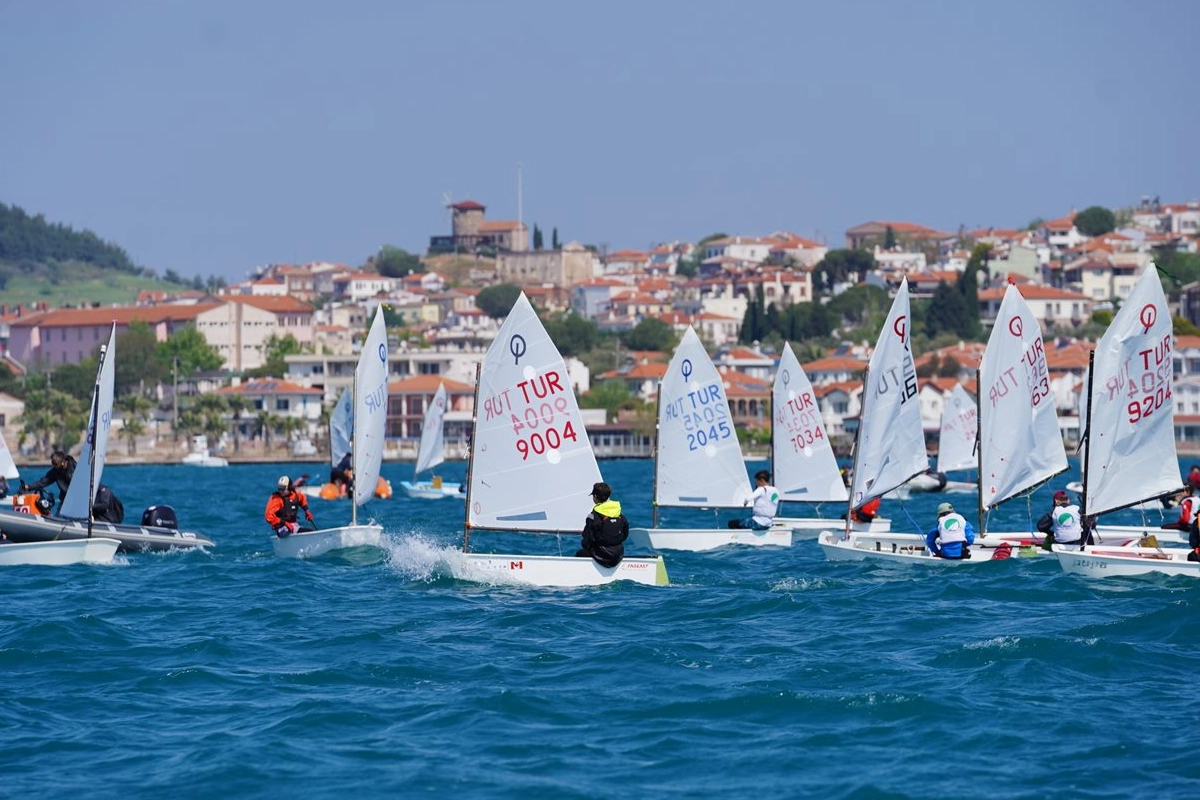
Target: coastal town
{"x":732,"y":289}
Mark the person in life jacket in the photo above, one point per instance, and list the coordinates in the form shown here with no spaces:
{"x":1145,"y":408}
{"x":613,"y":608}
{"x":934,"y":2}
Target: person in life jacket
{"x":951,"y":536}
{"x":867,"y":512}
{"x":62,"y":469}
{"x":604,"y":530}
{"x":1062,"y":523}
{"x":764,"y":502}
{"x":284,"y":507}
{"x":1189,"y":519}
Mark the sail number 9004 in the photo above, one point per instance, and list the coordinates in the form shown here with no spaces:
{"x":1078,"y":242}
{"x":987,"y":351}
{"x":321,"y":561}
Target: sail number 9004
{"x":544,"y":435}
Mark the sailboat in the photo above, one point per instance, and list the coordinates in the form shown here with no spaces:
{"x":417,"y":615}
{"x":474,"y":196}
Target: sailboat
{"x":341,"y":433}
{"x":1129,"y":454}
{"x":697,"y":459}
{"x":96,"y":550}
{"x":957,"y":435}
{"x":75,"y":520}
{"x":1020,"y":445}
{"x":430,"y":453}
{"x":532,"y":467}
{"x":370,"y":398}
{"x":805,"y":468}
{"x":889,"y":445}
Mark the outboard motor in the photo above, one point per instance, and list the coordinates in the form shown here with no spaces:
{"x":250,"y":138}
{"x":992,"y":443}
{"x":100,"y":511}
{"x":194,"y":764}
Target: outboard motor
{"x":160,"y":517}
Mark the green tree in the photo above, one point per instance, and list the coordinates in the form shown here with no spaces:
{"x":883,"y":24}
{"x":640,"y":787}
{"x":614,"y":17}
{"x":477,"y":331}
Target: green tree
{"x":537,"y":237}
{"x":53,"y":418}
{"x":395,"y":262}
{"x":754,"y":321}
{"x":194,"y":352}
{"x":274,"y":349}
{"x":554,"y":243}
{"x":889,"y":238}
{"x":650,"y":334}
{"x":842,"y":266}
{"x":237,"y":406}
{"x":572,"y":334}
{"x":496,"y":301}
{"x":1095,"y":221}
{"x":968,"y":287}
{"x":611,"y":395}
{"x":135,"y":410}
{"x":947,"y":312}
{"x":139,"y":365}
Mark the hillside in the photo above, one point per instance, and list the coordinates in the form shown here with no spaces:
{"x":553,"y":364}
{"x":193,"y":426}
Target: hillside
{"x":51,"y":262}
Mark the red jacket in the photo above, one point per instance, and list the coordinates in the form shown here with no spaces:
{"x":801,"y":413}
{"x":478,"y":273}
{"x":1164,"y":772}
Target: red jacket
{"x":285,"y":507}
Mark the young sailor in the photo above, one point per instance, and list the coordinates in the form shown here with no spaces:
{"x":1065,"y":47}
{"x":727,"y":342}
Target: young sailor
{"x":284,"y":506}
{"x":1062,"y":522}
{"x":952,"y":534}
{"x":764,"y":503}
{"x":605,"y":529}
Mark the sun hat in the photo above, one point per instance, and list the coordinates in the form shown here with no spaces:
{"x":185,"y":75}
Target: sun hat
{"x":1061,"y":495}
{"x":945,"y":508}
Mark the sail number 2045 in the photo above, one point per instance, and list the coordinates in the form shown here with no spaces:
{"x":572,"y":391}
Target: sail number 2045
{"x":707,"y":425}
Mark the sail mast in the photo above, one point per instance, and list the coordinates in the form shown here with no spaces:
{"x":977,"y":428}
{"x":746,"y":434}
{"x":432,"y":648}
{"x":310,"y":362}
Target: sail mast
{"x":657,"y":423}
{"x":1086,"y":435}
{"x":91,"y":434}
{"x":862,"y":413}
{"x":471,"y":460}
{"x":978,"y":446}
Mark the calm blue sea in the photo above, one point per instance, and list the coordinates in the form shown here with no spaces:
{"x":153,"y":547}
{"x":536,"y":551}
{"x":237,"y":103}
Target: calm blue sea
{"x":758,"y":674}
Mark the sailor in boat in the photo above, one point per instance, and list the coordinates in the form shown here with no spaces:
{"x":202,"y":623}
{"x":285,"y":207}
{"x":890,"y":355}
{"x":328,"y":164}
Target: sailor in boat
{"x":951,"y":537}
{"x":1189,"y":512}
{"x":342,"y":476}
{"x":605,"y":529}
{"x":1061,"y":524}
{"x":107,"y":507}
{"x":62,"y":469}
{"x":868,"y":510}
{"x":284,"y":507}
{"x":764,"y":502}
{"x":3,"y":487}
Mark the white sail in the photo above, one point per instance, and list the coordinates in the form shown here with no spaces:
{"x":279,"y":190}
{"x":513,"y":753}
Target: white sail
{"x":8,"y":467}
{"x":1020,"y":440}
{"x":432,"y":450}
{"x":82,"y":492}
{"x":699,"y":460}
{"x":801,"y":455}
{"x":891,"y":441}
{"x":341,"y":426}
{"x":370,"y":410}
{"x":960,"y":427}
{"x":532,"y":466}
{"x":1131,"y":435}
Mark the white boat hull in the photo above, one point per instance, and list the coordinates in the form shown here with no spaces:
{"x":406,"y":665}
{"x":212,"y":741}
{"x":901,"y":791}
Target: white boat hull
{"x":564,"y":571}
{"x":700,"y":539}
{"x":809,"y":527}
{"x":1105,"y":562}
{"x":424,"y":490}
{"x":96,"y":550}
{"x":204,"y":460}
{"x":311,"y":544}
{"x":903,"y":547}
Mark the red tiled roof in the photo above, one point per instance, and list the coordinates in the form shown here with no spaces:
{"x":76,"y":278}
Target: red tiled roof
{"x":428,"y":384}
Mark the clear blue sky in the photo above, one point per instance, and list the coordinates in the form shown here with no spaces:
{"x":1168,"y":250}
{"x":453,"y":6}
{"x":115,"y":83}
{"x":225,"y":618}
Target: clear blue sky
{"x":210,"y":137}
